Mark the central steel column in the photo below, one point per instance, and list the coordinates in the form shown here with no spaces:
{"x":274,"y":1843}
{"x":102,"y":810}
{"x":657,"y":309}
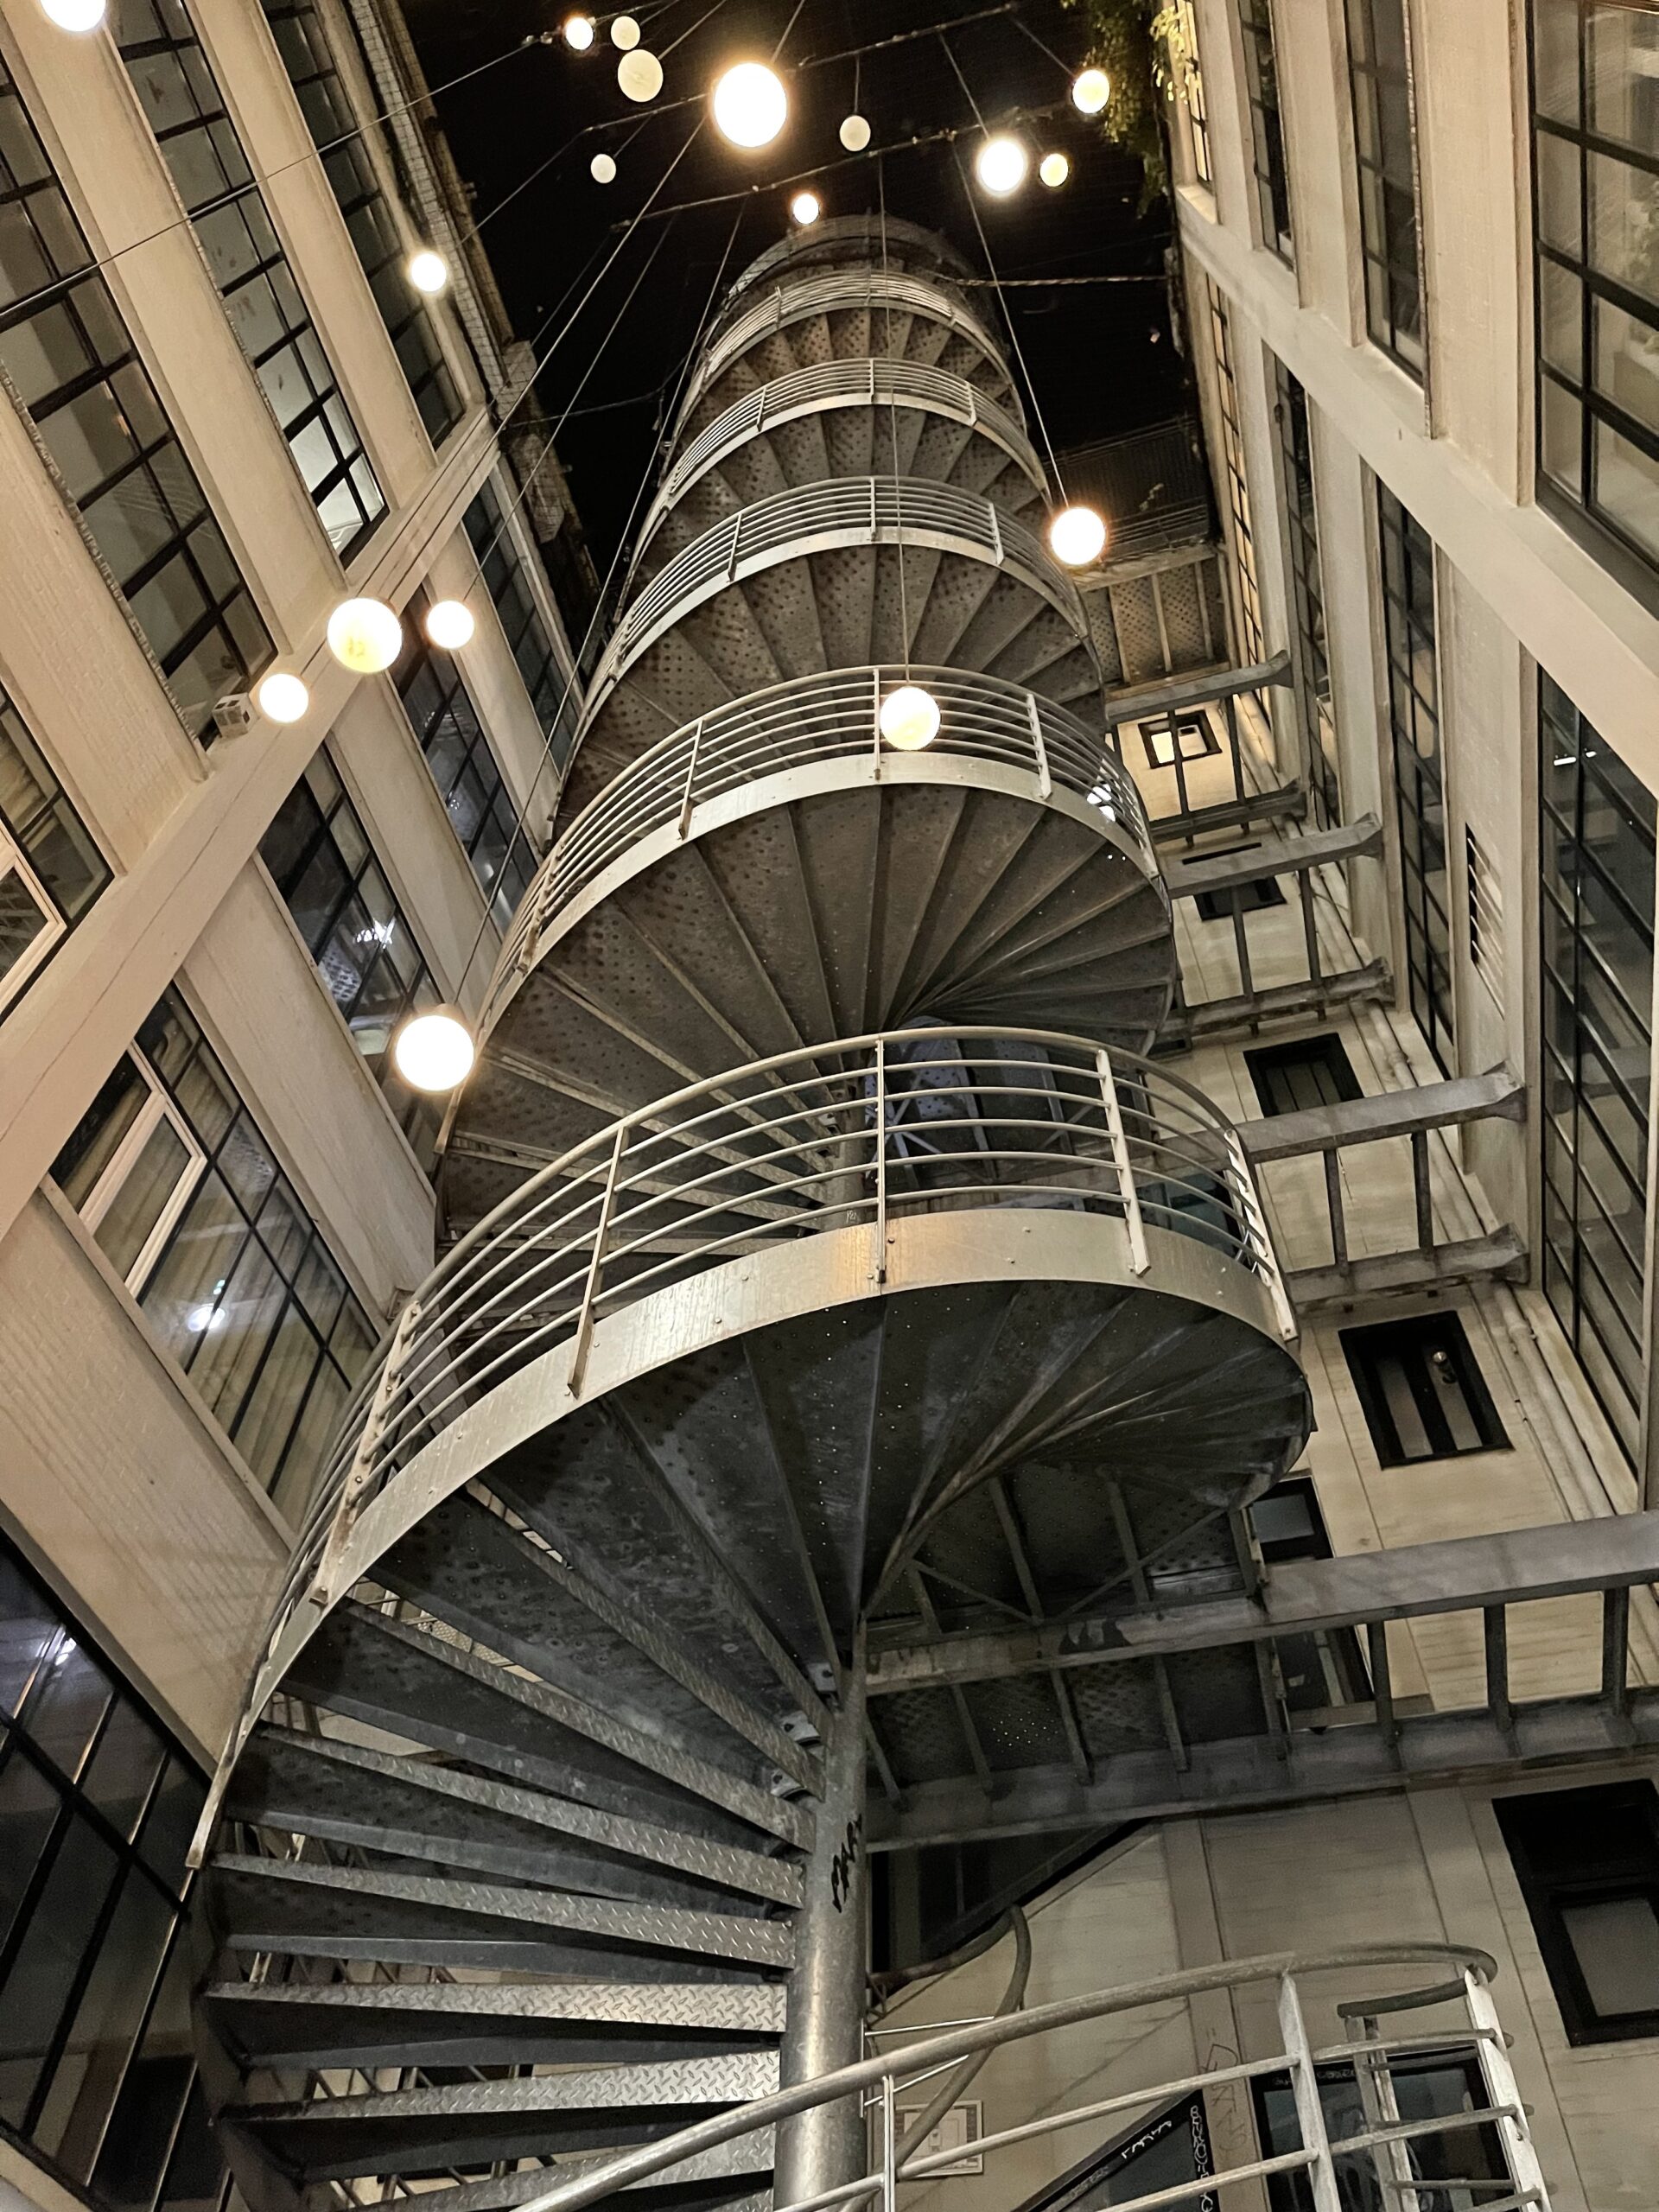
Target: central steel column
{"x":828,"y":2146}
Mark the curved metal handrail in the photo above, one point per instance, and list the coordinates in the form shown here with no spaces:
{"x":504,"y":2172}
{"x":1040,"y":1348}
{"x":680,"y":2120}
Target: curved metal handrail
{"x":825,"y":294}
{"x":804,"y":721}
{"x":823,"y":385}
{"x":844,"y":511}
{"x":840,"y":239}
{"x":875,"y":2081}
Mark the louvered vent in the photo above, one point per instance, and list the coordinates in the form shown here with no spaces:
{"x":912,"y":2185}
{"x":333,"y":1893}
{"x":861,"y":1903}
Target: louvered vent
{"x":1485,"y":918}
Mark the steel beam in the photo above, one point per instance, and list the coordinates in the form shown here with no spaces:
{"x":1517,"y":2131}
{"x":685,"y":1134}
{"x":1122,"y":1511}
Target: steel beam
{"x":1498,"y":1095}
{"x":1353,"y":841}
{"x":1196,"y":690}
{"x":1251,"y":1774}
{"x":1464,"y":1574}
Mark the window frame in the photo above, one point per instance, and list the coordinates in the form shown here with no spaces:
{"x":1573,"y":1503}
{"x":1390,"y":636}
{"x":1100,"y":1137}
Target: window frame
{"x":1362,"y":1343}
{"x":1382,"y":263}
{"x":1246,"y":587}
{"x":1544,"y":1896}
{"x":1315,"y":695}
{"x":95,"y":1207}
{"x":1267,"y":1060}
{"x":1271,"y":176}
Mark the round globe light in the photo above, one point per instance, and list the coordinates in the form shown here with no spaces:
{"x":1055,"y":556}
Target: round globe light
{"x":625,"y":33}
{"x":1001,"y":166}
{"x":603,"y":169}
{"x":639,"y":74}
{"x":1076,"y":535}
{"x":909,"y":718}
{"x":855,"y":134}
{"x":73,"y":15}
{"x":449,"y":623}
{"x":751,"y":106}
{"x":1091,"y":90}
{"x":434,"y":1052}
{"x":365,"y":636}
{"x":579,"y":33}
{"x":426,"y":272}
{"x":281,"y":697}
{"x":1053,"y":168}
{"x":806,"y":208}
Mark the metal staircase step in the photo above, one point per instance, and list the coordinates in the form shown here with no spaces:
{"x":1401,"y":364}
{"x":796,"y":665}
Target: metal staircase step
{"x":346,"y":1794}
{"x":469,"y":1568}
{"x":418,"y":1685}
{"x":265,"y":1904}
{"x":693,"y":2182}
{"x":463,"y":2123}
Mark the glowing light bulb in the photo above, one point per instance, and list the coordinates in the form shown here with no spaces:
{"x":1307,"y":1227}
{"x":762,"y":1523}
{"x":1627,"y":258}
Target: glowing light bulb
{"x":426,"y":272}
{"x":1076,"y":535}
{"x":625,"y":33}
{"x":603,"y":169}
{"x":449,"y":623}
{"x":855,"y":134}
{"x":1001,"y":166}
{"x":751,"y":106}
{"x":365,"y":636}
{"x":1091,"y":90}
{"x":639,"y":74}
{"x":579,"y":33}
{"x":281,"y":697}
{"x":1053,"y":168}
{"x":435,"y":1051}
{"x":79,"y":16}
{"x":805,"y":209}
{"x":909,"y":718}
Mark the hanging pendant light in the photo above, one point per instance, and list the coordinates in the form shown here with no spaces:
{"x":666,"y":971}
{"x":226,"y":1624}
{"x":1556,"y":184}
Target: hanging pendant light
{"x":806,"y":207}
{"x":855,"y":134}
{"x":639,"y":74}
{"x":1053,"y":168}
{"x":603,"y":169}
{"x":449,"y":624}
{"x":1076,"y":535}
{"x":282,"y":696}
{"x":426,"y":272}
{"x":625,"y":33}
{"x":1000,"y":165}
{"x":1091,"y":90}
{"x":909,"y":718}
{"x":433,"y":1051}
{"x":579,"y":33}
{"x":751,"y":106}
{"x":365,"y":636}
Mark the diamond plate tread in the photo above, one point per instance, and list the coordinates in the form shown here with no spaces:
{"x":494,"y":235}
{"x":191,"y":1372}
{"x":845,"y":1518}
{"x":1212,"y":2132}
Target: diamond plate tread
{"x":749,"y":2155}
{"x":620,"y":1756}
{"x":721,"y":1865}
{"x":727,"y":2079}
{"x":468,"y":1565}
{"x":759,"y":1942}
{"x":715,"y":2008}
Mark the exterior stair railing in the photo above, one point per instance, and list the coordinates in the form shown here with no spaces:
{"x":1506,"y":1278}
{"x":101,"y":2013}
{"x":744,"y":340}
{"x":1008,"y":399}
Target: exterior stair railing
{"x":1388,"y":2149}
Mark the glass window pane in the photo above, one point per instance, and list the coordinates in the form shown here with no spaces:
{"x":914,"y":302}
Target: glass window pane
{"x":70,"y":1695}
{"x":100,"y":2032}
{"x":147,"y":1189}
{"x":28,"y":1806}
{"x":1615,"y":1942}
{"x":47,"y":1961}
{"x":123,"y":1768}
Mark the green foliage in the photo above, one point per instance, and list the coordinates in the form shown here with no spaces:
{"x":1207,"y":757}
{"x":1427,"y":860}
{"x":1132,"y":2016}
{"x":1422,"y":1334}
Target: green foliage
{"x":1145,"y":48}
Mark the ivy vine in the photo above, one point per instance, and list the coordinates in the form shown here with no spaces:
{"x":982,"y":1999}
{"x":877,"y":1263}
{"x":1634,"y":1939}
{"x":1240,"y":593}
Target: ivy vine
{"x":1145,"y":48}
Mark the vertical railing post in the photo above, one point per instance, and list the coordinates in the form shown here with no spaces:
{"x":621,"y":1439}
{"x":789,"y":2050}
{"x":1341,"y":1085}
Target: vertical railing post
{"x":737,"y":540}
{"x":880,"y":1159}
{"x":1504,"y":2091}
{"x":1305,"y":2089}
{"x":1256,"y":1236}
{"x":889,"y":2168}
{"x":996,"y":532}
{"x":1120,"y":1143}
{"x":1045,"y":781}
{"x":590,"y":1288}
{"x":690,"y":773}
{"x":360,"y":1474}
{"x":1380,"y":2106}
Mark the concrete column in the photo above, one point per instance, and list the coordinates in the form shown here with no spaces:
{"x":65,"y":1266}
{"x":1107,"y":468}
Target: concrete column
{"x":828,"y":2146}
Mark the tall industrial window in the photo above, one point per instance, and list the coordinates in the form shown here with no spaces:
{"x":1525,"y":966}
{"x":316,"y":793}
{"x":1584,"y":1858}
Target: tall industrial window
{"x":1587,"y":1861}
{"x":1596,"y":173}
{"x":89,"y":396}
{"x":335,"y":131}
{"x":97,"y":1803}
{"x":497,"y":551}
{"x":1251,"y":644}
{"x":170,"y":1174}
{"x":50,"y":869}
{"x":1266,"y":125}
{"x":1419,"y":774}
{"x":198,"y":139}
{"x":1380,"y":74}
{"x":1596,"y":853}
{"x":322,"y":863}
{"x":469,"y":781}
{"x":1307,"y":590}
{"x":1188,"y":71}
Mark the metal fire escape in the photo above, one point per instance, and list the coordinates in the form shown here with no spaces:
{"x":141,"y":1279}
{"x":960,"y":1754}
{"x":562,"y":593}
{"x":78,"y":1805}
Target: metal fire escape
{"x":848,"y":1333}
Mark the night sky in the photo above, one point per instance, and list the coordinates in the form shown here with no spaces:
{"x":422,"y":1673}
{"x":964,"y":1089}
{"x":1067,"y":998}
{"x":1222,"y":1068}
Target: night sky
{"x":1099,"y":357}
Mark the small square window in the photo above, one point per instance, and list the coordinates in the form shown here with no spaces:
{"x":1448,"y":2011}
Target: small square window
{"x":1243,"y":899}
{"x":1191,"y":733}
{"x":1587,"y":1861}
{"x":1420,"y":1390}
{"x":1309,"y":1071}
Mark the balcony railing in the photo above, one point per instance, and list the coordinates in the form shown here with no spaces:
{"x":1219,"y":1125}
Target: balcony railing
{"x":876,"y":382}
{"x":836,"y":293}
{"x":807,"y":721}
{"x":847,"y":511}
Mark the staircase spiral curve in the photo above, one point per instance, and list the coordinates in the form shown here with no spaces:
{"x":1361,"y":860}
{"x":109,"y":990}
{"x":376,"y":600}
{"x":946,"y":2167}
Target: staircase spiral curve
{"x":831,"y":1263}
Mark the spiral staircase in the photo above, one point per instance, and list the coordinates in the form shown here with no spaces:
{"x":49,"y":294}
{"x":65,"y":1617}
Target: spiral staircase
{"x":830,"y":1265}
